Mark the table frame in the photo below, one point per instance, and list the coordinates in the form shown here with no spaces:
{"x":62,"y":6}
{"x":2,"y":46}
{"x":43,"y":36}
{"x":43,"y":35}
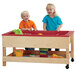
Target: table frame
{"x":35,"y":42}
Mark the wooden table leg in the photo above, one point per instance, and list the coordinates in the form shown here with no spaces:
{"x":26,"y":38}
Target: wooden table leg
{"x":67,"y":56}
{"x":72,"y":48}
{"x":4,"y":54}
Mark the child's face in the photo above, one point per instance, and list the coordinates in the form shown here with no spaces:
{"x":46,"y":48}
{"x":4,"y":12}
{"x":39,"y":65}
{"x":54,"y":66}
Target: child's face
{"x":50,"y":11}
{"x":25,"y":17}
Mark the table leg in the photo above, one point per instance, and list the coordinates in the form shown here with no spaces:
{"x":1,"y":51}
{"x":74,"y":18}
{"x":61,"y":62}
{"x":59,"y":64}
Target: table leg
{"x":13,"y":50}
{"x":72,"y":48}
{"x":4,"y":54}
{"x":67,"y":56}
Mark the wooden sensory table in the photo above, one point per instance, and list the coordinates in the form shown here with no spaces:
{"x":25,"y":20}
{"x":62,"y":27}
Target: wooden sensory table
{"x":32,"y":39}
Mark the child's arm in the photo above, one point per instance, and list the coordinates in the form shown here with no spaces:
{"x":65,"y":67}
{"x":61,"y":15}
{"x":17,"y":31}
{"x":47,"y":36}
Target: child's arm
{"x":60,"y":23}
{"x":34,"y":26}
{"x":44,"y":26}
{"x":60,"y":26}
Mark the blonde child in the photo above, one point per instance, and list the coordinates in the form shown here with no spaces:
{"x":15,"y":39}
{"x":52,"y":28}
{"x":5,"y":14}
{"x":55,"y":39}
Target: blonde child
{"x":52,"y":22}
{"x":27,"y":24}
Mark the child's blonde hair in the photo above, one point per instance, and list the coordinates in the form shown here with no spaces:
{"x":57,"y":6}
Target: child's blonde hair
{"x":52,"y":6}
{"x":24,"y":12}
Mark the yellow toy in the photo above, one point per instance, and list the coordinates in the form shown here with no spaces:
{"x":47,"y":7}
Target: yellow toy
{"x":56,"y":56}
{"x":40,"y":34}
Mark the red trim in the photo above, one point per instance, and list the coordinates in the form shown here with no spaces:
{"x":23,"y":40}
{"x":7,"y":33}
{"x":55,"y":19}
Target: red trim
{"x":45,"y":33}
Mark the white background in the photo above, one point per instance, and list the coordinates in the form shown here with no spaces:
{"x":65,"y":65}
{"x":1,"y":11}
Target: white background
{"x":10,"y":18}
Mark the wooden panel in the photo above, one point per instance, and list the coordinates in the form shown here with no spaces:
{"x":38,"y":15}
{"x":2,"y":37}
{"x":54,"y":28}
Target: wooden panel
{"x":36,"y":42}
{"x":36,"y":60}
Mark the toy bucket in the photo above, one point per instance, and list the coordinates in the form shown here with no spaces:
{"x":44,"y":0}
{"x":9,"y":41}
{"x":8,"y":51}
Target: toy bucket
{"x":19,"y":52}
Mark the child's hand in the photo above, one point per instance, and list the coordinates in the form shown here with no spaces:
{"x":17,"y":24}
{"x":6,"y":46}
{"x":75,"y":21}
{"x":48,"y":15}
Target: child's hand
{"x":58,"y":30}
{"x":23,"y":29}
{"x":45,"y":30}
{"x":26,"y":29}
{"x":35,"y":29}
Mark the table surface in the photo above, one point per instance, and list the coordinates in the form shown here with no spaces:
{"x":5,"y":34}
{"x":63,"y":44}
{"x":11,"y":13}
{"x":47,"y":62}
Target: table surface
{"x":41,"y":33}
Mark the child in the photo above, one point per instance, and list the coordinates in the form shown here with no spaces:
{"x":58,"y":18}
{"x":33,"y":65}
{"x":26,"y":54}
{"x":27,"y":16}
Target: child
{"x":27,"y":24}
{"x":51,"y":22}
